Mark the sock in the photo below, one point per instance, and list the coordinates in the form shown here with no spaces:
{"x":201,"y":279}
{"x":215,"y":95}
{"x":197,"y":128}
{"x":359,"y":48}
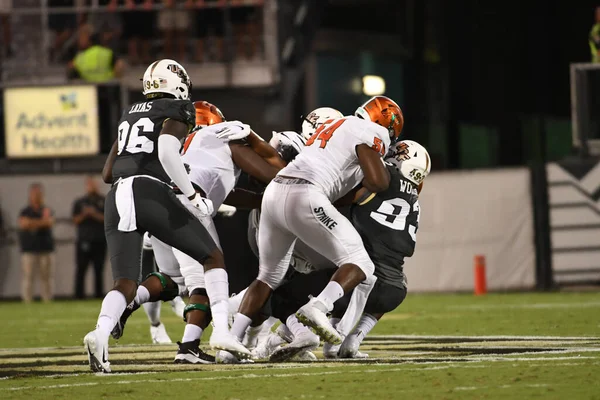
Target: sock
{"x":153,"y":312}
{"x":217,"y":289}
{"x":240,"y":323}
{"x":191,"y":333}
{"x":332,"y":292}
{"x":334,"y":321}
{"x":251,"y":337}
{"x":364,"y":326}
{"x":142,"y":295}
{"x":295,"y":326}
{"x":113,"y":305}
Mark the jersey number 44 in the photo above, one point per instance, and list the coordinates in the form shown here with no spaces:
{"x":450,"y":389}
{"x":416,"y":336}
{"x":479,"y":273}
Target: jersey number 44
{"x":325,"y":132}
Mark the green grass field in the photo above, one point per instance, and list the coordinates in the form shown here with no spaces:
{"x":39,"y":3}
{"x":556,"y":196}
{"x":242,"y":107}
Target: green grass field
{"x":515,"y":346}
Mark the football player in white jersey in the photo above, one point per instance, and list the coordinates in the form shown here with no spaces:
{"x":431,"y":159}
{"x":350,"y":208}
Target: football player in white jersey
{"x":297,"y":204}
{"x":215,"y":159}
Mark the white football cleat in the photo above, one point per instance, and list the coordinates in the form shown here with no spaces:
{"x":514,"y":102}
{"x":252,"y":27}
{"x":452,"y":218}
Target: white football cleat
{"x":330,"y":351}
{"x":224,"y":340}
{"x":313,"y":314}
{"x":302,"y":342}
{"x":225,"y":357}
{"x":266,"y":347}
{"x":159,"y":334}
{"x":97,"y":351}
{"x":178,"y":306}
{"x":305,"y":356}
{"x":349,"y":349}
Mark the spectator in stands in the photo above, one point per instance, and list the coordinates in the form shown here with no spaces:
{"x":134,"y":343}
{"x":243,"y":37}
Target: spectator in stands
{"x":88,"y":215}
{"x":138,"y":27}
{"x":174,"y":22}
{"x":210,"y":22}
{"x":594,"y":38}
{"x":5,"y":7}
{"x":94,"y":62}
{"x":107,"y":23}
{"x":37,"y":245}
{"x":63,"y":26}
{"x":246,"y":26}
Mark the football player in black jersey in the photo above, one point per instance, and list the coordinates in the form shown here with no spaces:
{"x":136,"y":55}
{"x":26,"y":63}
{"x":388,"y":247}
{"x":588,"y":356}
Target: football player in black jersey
{"x":388,"y":224}
{"x":144,"y":161}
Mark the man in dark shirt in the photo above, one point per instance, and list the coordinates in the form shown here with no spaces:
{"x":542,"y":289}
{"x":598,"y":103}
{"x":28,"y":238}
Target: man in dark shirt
{"x":88,"y":215}
{"x":37,"y":244}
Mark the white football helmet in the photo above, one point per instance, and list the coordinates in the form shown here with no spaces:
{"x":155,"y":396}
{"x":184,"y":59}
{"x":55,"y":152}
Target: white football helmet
{"x":288,"y":144}
{"x":169,"y":77}
{"x":411,"y":160}
{"x":316,"y":118}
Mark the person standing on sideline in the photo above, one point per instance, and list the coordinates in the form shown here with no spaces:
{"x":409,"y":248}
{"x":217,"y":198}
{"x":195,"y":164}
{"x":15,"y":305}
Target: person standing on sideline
{"x":88,"y":215}
{"x":37,"y":245}
{"x":594,"y":37}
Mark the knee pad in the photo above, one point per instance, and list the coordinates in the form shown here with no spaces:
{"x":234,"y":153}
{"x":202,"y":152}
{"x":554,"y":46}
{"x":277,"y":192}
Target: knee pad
{"x":195,"y":307}
{"x":170,"y":289}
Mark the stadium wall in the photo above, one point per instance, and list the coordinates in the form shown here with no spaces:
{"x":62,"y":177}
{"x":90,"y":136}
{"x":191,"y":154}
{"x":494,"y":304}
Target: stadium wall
{"x":467,"y":213}
{"x":463,"y":214}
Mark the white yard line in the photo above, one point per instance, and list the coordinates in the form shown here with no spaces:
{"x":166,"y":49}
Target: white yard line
{"x":532,"y":385}
{"x":370,"y":338}
{"x":226,"y":377}
{"x":500,"y":337}
{"x":589,"y":304}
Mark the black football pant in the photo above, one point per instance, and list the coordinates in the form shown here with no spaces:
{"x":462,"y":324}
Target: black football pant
{"x":87,"y":253}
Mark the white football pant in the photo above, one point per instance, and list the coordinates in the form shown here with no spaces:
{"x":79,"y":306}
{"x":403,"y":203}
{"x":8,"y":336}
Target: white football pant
{"x":302,"y":211}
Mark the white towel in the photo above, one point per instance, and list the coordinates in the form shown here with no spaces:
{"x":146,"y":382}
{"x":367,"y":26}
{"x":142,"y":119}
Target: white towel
{"x":358,"y":300}
{"x":126,"y":204}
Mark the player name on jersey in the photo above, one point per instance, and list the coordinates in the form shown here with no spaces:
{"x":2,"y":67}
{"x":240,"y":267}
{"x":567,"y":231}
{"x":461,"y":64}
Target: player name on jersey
{"x":141,"y":107}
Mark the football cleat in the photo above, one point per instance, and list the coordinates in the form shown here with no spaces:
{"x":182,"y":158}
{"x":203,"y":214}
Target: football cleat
{"x":313,"y":314}
{"x":97,"y":351}
{"x":349,"y":348}
{"x":119,"y":328}
{"x":330,"y":351}
{"x":303,"y":342}
{"x":305,"y":356}
{"x":178,"y":305}
{"x":220,"y":340}
{"x":159,"y":334}
{"x":266,"y":347}
{"x":225,"y":357}
{"x":190,"y":353}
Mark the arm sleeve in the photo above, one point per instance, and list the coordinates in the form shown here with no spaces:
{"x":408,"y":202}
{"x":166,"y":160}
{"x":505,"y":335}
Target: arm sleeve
{"x":168,"y":154}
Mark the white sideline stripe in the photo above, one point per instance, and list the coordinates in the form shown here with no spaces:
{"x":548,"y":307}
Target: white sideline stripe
{"x":531,"y":385}
{"x":589,"y":304}
{"x":226,"y":377}
{"x":501,"y":337}
{"x":31,"y":350}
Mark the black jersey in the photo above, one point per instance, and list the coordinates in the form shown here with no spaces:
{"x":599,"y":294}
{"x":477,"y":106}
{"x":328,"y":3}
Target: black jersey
{"x":139,"y":128}
{"x":388,"y":226}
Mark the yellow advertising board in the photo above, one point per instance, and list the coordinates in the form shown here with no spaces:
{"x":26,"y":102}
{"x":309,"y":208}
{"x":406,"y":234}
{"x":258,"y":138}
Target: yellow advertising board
{"x":57,"y":121}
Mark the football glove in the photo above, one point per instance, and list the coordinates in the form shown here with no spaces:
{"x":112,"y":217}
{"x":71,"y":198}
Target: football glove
{"x":205,"y":206}
{"x":234,"y":131}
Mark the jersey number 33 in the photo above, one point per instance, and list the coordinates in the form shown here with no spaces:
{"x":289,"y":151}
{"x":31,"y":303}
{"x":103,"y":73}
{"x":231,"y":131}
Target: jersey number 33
{"x":392,"y":213}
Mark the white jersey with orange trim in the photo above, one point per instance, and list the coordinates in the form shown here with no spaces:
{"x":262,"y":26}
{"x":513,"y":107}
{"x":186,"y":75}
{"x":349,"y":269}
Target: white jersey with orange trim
{"x":329,"y":159}
{"x":210,"y":161}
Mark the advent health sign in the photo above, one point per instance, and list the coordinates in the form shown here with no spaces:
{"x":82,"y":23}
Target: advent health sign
{"x":58,"y":121}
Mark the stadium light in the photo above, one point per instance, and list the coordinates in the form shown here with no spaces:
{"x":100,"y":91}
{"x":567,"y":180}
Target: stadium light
{"x":373,"y":85}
